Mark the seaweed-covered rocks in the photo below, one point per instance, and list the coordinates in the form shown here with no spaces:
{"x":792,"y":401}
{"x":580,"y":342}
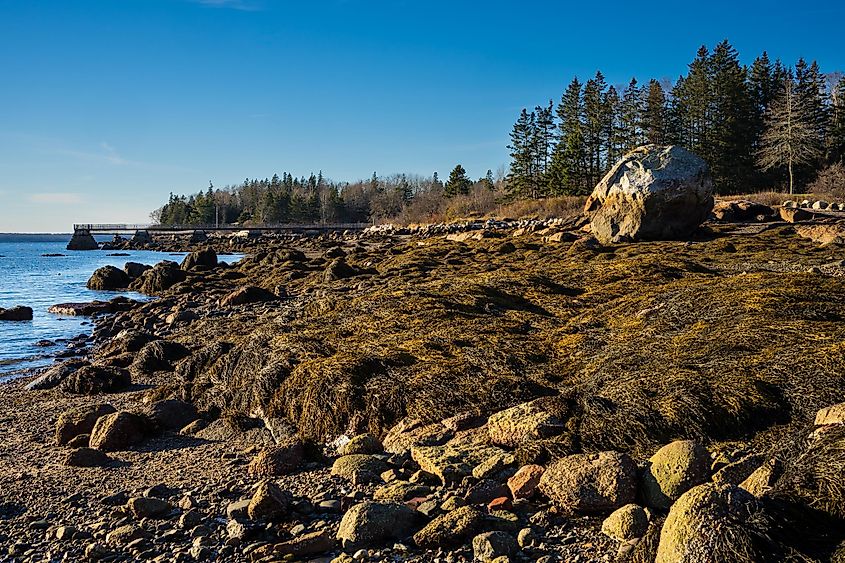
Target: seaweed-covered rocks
{"x":451,"y":529}
{"x":108,"y":278}
{"x":673,"y":470}
{"x":17,"y":313}
{"x":626,"y":523}
{"x":491,"y":545}
{"x":277,"y":460}
{"x":710,"y":523}
{"x":591,"y":483}
{"x":159,"y":355}
{"x":202,"y":259}
{"x":362,"y":444}
{"x":171,"y":414}
{"x":160,"y":277}
{"x":359,"y":468}
{"x":118,"y":431}
{"x":528,"y":421}
{"x":94,"y":379}
{"x":135,"y":269}
{"x":54,"y":375}
{"x":372,"y":523}
{"x":248,"y":294}
{"x":79,"y":420}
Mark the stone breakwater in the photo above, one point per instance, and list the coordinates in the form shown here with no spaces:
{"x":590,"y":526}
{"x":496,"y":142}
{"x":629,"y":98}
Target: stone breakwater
{"x":525,"y":394}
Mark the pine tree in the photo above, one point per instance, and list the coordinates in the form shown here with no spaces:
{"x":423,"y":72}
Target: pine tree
{"x":543,"y":145}
{"x":691,"y":99}
{"x":458,"y":182}
{"x":654,"y":115}
{"x":488,"y":181}
{"x":790,"y":138}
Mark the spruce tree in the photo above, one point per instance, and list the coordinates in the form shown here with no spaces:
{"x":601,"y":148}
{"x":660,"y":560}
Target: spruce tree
{"x":790,"y":139}
{"x":731,"y":130}
{"x":836,"y":143}
{"x":631,"y":116}
{"x":595,"y":129}
{"x":522,"y":155}
{"x":691,"y":106}
{"x":654,"y":115}
{"x":458,"y":182}
{"x":613,"y":129}
{"x":566,"y":176}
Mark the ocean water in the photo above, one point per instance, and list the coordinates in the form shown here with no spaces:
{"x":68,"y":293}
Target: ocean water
{"x":27,"y":277}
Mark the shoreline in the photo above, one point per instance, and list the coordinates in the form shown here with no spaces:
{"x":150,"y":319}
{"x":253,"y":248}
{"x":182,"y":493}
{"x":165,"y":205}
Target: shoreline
{"x":336,"y":376}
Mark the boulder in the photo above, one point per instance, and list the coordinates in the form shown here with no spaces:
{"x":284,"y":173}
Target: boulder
{"x":362,"y":444}
{"x":486,"y":491}
{"x":160,"y":277}
{"x":490,"y":545}
{"x":118,"y":431}
{"x":200,"y":259}
{"x":708,"y":523}
{"x":626,"y":523}
{"x":79,"y":420}
{"x":528,"y":421}
{"x":652,"y":193}
{"x":401,"y":491}
{"x":452,"y":462}
{"x":247,"y":294}
{"x":742,"y":211}
{"x":94,"y":379}
{"x":86,"y":457}
{"x":108,"y":278}
{"x":410,"y":432}
{"x":53,"y":376}
{"x":452,"y":529}
{"x":794,"y":214}
{"x":278,"y":460}
{"x":269,"y":502}
{"x":359,"y":468}
{"x":591,"y":483}
{"x":126,"y":534}
{"x":81,"y":309}
{"x":673,"y":470}
{"x":135,"y":269}
{"x":307,"y":545}
{"x":763,"y":478}
{"x":338,"y":269}
{"x":158,"y":355}
{"x":17,"y":313}
{"x":372,"y":523}
{"x":170,"y":415}
{"x":525,"y":481}
{"x":149,"y":507}
{"x":738,"y":471}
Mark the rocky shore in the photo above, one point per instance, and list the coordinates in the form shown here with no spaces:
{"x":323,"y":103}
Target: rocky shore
{"x":506,"y":392}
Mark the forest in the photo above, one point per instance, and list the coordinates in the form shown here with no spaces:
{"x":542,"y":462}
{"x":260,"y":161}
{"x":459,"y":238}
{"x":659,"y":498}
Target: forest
{"x":767,"y":126}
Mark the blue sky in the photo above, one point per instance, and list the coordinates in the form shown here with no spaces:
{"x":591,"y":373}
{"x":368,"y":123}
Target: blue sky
{"x":106,"y":106}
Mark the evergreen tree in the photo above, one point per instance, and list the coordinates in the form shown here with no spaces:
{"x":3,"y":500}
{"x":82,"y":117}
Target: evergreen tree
{"x":403,"y":188}
{"x":631,"y":116}
{"x":691,"y":106}
{"x":836,"y":144}
{"x":542,"y":146}
{"x":595,"y":129}
{"x":523,"y":155}
{"x":613,"y":130}
{"x":458,"y":182}
{"x":790,"y":138}
{"x":731,"y":130}
{"x":654,"y":115}
{"x":488,"y":181}
{"x":569,"y":158}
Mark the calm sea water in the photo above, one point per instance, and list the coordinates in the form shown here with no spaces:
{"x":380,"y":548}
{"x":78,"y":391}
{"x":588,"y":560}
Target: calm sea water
{"x":27,"y":277}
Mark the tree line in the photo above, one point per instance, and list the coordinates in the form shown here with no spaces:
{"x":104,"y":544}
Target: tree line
{"x":288,"y":199}
{"x":767,"y":126}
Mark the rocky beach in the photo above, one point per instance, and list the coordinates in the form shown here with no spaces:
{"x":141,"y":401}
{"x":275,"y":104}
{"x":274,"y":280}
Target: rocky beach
{"x":578,"y":389}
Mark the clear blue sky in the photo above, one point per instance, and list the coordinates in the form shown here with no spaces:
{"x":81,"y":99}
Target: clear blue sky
{"x":106,"y":106}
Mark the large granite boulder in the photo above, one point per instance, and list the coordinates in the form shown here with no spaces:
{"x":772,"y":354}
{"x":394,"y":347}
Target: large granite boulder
{"x":653,"y":193}
{"x":672,"y":471}
{"x":108,"y":278}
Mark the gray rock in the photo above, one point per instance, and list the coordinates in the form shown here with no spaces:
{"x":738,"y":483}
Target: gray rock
{"x":371,"y":523}
{"x":490,"y":545}
{"x":653,"y":193}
